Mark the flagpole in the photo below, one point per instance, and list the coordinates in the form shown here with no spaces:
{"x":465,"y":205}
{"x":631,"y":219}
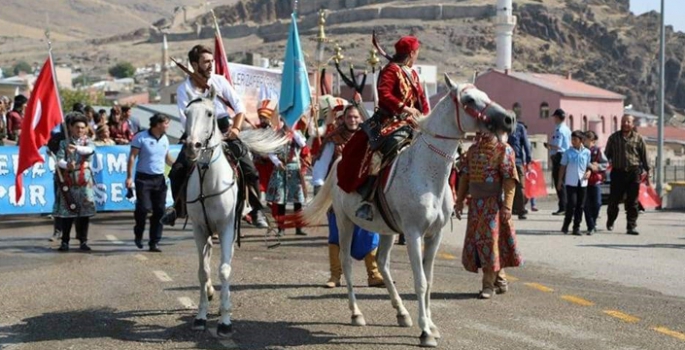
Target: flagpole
{"x":59,"y":101}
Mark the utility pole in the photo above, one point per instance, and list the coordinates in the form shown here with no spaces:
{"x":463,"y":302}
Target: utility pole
{"x":660,"y":139}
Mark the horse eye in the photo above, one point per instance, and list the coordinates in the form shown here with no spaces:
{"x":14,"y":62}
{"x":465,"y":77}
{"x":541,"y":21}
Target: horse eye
{"x":209,"y":114}
{"x":467,"y":100}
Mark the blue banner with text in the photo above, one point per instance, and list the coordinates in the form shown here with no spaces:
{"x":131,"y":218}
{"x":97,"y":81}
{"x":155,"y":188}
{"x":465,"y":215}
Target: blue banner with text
{"x":109,"y":171}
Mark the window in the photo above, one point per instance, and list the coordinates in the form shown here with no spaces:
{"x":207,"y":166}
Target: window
{"x":544,"y":110}
{"x":570,"y":122}
{"x":603,"y":124}
{"x":585,"y":126}
{"x":614,"y":125}
{"x":517,"y":110}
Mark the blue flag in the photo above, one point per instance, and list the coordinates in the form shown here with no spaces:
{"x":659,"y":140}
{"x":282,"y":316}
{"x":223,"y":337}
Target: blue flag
{"x":295,"y":97}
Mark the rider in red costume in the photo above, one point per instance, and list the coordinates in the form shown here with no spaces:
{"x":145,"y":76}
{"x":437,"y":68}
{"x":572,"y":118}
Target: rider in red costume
{"x":400,"y":98}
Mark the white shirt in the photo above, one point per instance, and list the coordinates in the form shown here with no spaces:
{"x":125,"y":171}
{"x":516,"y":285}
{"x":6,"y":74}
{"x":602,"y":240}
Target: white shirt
{"x":299,"y":140}
{"x":186,"y":92}
{"x":320,"y":170}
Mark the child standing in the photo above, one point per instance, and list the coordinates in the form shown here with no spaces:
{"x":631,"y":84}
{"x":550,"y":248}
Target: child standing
{"x":598,"y":167}
{"x":574,"y":173}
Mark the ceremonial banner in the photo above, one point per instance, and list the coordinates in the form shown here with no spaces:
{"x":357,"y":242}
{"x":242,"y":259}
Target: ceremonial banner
{"x":109,"y":173}
{"x":535,"y":186}
{"x":295,"y":89}
{"x":248,"y":82}
{"x":43,"y":113}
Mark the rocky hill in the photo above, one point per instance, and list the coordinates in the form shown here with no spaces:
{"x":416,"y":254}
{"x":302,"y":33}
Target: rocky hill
{"x":597,"y":41}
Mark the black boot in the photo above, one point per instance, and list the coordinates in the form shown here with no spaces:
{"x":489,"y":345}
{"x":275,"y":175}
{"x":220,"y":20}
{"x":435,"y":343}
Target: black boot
{"x":367,"y":191}
{"x":169,"y":217}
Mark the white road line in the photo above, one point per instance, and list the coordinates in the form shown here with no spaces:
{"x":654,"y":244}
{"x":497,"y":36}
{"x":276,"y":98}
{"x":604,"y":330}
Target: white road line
{"x":162,"y":276}
{"x":187,"y":303}
{"x":12,"y":346}
{"x":113,"y":239}
{"x":141,"y":257}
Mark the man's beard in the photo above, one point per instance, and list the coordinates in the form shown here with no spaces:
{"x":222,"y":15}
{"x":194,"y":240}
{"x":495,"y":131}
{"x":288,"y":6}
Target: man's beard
{"x":206,"y":73}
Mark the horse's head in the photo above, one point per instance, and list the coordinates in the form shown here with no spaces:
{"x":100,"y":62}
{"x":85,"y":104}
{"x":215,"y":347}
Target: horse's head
{"x":476,"y":112}
{"x":201,"y":126}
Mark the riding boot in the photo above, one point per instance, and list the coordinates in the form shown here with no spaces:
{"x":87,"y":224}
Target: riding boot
{"x":298,"y":229}
{"x":336,"y":266}
{"x":375,"y":279}
{"x":365,"y":210}
{"x":177,"y":176}
{"x":488,"y":291}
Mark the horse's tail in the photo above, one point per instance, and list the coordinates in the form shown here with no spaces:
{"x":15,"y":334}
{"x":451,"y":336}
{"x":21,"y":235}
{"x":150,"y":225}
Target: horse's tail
{"x":263,"y":141}
{"x":316,"y":210}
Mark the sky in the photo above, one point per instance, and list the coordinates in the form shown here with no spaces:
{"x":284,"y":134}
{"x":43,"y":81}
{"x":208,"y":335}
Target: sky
{"x":675,"y":10}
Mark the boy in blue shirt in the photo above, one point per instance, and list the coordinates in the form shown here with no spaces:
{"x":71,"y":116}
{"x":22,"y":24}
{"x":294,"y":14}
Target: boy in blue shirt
{"x":574,"y":174}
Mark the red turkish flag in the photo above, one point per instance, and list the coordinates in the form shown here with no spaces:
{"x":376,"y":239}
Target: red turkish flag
{"x":220,"y":60}
{"x":535,"y":186}
{"x":648,"y":197}
{"x":43,"y":113}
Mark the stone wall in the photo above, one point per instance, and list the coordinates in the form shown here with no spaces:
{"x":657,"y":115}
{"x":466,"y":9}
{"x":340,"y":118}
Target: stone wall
{"x":279,"y":30}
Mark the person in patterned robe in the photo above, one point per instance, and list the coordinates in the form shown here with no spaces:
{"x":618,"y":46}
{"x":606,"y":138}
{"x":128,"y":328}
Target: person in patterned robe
{"x":75,"y":203}
{"x":488,"y":174}
{"x":285,"y":184}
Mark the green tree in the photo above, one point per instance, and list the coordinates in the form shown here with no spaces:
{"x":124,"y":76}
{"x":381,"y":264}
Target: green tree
{"x":122,"y":70}
{"x":22,"y":66}
{"x":70,"y":97}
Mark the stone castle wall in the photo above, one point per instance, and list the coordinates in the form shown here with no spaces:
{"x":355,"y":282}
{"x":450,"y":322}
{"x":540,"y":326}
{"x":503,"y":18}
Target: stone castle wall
{"x":279,"y":30}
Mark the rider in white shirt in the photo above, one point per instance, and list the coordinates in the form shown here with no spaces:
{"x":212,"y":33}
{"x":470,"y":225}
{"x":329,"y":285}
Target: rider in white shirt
{"x":201,"y":59}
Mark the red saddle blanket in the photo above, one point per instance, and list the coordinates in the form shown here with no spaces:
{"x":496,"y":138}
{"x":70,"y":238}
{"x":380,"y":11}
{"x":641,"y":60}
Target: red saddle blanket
{"x":353,"y":169}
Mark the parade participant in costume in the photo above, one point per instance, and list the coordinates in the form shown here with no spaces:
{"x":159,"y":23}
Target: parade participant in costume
{"x":75,"y":203}
{"x":202,"y":60}
{"x":286,"y":182}
{"x":401,"y":99}
{"x":364,"y":241}
{"x":488,"y":171}
{"x":265,"y":112}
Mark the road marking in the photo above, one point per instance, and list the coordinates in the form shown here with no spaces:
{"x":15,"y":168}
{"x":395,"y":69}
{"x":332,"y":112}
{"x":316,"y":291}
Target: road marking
{"x":113,"y":239}
{"x":162,"y":276}
{"x":446,"y":256}
{"x":141,"y":257}
{"x":622,"y":316}
{"x":12,"y":346}
{"x":540,"y":287}
{"x":674,"y":334}
{"x":577,"y":300}
{"x":187,"y":303}
{"x":511,"y":278}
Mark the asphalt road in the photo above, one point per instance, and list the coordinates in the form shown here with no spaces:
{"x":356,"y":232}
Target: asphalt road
{"x":607,"y":291}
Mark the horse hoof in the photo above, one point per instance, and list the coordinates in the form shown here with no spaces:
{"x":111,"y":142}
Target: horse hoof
{"x":224,"y":330}
{"x":404,"y":321}
{"x":428,"y":341}
{"x":199,"y":324}
{"x":435,"y":332}
{"x":358,"y":320}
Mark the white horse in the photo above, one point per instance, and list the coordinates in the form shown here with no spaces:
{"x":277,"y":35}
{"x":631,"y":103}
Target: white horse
{"x":418,"y":195}
{"x":211,"y":199}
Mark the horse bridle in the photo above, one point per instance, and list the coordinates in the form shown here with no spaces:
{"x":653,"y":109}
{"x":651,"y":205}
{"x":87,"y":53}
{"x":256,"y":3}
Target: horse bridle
{"x":203,"y":149}
{"x":476,"y":114}
{"x":204,"y":145}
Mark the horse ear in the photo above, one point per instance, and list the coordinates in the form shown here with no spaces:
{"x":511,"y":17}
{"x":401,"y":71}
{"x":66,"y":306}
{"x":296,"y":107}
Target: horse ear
{"x":212,"y":92}
{"x":450,"y":84}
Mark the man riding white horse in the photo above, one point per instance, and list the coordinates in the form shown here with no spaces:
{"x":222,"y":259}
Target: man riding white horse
{"x":202,"y":60}
{"x":401,"y":100}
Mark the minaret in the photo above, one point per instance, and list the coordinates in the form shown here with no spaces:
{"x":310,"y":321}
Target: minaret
{"x":504,"y":29}
{"x":165,"y":59}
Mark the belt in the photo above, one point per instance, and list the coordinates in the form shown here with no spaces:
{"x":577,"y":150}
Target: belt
{"x":144,"y":176}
